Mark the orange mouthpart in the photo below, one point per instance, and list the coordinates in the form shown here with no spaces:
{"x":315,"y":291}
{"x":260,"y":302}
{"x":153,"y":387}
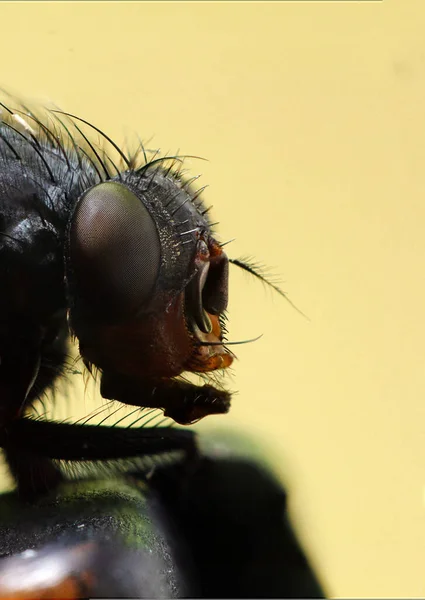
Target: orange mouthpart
{"x":206,"y":357}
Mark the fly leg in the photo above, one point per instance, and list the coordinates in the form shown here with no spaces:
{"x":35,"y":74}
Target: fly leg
{"x":32,"y":474}
{"x":28,"y":368}
{"x":73,"y":442}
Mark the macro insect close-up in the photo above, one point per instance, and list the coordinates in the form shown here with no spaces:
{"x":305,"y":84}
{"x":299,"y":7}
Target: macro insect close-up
{"x":211,"y":310}
{"x":116,"y":250}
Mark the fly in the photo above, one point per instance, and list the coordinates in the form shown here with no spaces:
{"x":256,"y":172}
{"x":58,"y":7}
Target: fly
{"x":117,"y":250}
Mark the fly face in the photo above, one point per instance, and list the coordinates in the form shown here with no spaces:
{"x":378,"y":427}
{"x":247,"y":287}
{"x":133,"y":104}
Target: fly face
{"x":148,"y":284}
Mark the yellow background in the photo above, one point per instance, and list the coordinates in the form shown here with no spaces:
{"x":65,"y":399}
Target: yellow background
{"x":312,"y":116}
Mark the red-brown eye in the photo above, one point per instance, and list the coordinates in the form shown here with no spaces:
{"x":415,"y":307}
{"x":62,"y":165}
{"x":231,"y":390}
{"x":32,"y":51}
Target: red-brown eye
{"x":114,"y":250}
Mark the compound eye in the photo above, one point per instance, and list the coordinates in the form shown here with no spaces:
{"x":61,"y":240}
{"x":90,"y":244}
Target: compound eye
{"x":114,"y":250}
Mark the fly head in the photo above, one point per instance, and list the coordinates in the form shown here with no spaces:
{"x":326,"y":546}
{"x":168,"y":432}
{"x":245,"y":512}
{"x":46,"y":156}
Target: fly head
{"x":148,"y":290}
